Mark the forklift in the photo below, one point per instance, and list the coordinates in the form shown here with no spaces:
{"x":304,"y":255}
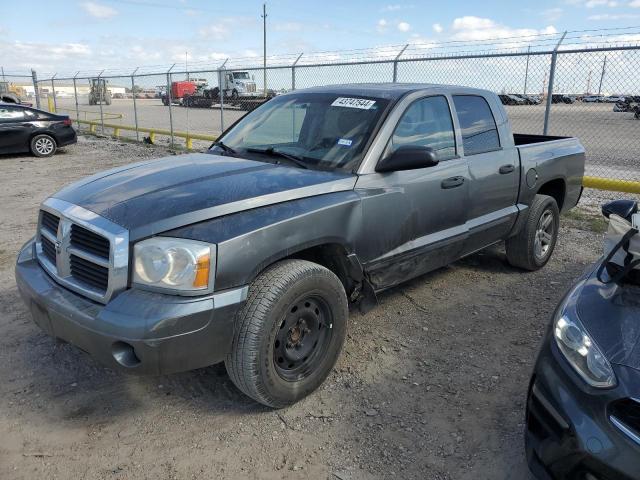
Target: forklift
{"x":99,"y":92}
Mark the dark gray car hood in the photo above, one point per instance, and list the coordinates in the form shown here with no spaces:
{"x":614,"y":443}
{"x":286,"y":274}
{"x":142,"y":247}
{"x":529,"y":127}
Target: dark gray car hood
{"x":611,"y":314}
{"x":155,"y":196}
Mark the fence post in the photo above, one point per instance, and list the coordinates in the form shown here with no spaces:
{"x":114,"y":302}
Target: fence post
{"x":293,"y":72}
{"x":75,"y":96}
{"x":170,"y":101}
{"x":135,"y":106}
{"x":221,"y":81}
{"x":34,"y":79}
{"x":101,"y":98}
{"x":395,"y":63}
{"x":526,"y":71}
{"x":53,"y":91}
{"x":552,"y":73}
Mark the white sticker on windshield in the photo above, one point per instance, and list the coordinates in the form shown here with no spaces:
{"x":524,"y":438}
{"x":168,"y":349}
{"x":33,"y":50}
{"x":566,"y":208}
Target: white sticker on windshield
{"x":345,"y":141}
{"x":361,"y":103}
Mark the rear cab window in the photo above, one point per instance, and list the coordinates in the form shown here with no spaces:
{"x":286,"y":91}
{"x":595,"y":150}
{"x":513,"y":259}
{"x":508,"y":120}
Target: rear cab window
{"x":478,"y":126}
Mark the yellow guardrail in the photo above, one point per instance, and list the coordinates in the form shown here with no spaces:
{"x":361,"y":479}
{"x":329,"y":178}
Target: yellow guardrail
{"x":188,"y":136}
{"x":612,"y":184}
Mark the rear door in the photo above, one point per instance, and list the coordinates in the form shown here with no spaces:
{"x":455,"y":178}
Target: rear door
{"x":14,"y":129}
{"x":414,"y":220}
{"x":493,"y":171}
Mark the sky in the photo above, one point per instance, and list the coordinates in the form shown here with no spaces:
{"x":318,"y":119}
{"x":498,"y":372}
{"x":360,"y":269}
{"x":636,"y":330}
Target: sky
{"x":68,"y":36}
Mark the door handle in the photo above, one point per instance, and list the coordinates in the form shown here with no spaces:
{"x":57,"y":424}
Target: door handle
{"x":504,"y":169}
{"x":452,"y":182}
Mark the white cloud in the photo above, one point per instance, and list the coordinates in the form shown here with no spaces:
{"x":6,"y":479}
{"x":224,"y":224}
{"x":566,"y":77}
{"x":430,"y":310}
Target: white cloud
{"x":552,"y":14}
{"x":382,"y":25}
{"x":217,"y":31}
{"x":635,"y":4}
{"x":288,"y":26}
{"x":601,"y":3}
{"x":607,"y":16}
{"x":98,"y":10}
{"x":403,"y":26}
{"x":392,"y":8}
{"x":472,"y":28}
{"x":437,"y":28}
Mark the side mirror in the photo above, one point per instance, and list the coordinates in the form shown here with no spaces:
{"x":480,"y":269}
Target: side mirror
{"x":622,"y":208}
{"x":408,"y":157}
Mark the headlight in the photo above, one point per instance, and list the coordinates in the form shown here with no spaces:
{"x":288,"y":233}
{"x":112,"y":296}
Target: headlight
{"x":579,"y":349}
{"x":174,"y":264}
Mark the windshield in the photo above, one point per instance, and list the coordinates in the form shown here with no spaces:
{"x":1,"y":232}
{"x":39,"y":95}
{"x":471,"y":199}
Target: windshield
{"x":241,"y":75}
{"x":324,"y":130}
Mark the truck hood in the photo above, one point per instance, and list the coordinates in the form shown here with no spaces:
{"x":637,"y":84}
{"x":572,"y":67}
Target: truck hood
{"x":155,"y":196}
{"x":611,"y":314}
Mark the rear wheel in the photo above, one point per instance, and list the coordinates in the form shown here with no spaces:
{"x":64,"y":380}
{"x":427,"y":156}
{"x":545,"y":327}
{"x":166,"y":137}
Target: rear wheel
{"x":532,"y":247}
{"x":289,"y":333}
{"x":43,"y":145}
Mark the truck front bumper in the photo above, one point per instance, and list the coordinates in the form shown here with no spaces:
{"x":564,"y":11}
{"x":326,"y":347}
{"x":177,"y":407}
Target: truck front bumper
{"x":139,"y":332}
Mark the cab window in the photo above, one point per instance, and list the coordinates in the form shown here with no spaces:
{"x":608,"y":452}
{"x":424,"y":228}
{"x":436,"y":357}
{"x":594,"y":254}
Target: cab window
{"x":479,"y":131}
{"x":427,"y":123}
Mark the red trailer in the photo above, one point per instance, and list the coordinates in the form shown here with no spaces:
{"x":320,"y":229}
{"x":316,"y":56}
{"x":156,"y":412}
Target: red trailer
{"x":179,"y":90}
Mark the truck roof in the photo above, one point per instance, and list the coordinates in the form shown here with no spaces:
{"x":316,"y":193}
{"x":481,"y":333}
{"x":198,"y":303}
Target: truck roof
{"x":392,"y":91}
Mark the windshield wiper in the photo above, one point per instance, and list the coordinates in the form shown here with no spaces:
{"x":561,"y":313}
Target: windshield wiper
{"x":225,"y":148}
{"x":277,"y":153}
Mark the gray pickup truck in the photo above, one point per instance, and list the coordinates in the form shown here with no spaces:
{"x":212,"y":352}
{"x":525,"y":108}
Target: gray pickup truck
{"x":252,"y":252}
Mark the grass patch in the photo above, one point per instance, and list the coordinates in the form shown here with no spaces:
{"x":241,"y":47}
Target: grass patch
{"x":585,"y":220}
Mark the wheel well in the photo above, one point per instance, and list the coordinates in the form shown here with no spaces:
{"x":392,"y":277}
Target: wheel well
{"x":48,"y":134}
{"x":336,"y":258}
{"x":555,"y":189}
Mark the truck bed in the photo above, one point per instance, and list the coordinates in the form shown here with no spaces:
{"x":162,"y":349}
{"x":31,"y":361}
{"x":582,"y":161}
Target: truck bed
{"x":527,"y":139}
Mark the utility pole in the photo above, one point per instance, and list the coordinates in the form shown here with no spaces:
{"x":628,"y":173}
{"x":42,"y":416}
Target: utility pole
{"x":604,"y":67}
{"x":589,"y":82}
{"x":264,"y":45}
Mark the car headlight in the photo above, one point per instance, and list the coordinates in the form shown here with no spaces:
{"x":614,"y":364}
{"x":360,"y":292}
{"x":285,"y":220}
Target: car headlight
{"x":174,"y":264}
{"x":579,"y":348}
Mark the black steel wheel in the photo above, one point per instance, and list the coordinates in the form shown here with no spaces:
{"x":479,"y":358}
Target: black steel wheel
{"x":303,"y":337}
{"x":289,"y":333}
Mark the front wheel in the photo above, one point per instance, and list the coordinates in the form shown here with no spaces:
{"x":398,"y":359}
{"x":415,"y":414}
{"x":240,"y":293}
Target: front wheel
{"x":532,"y":247}
{"x":289,"y":333}
{"x":43,"y":145}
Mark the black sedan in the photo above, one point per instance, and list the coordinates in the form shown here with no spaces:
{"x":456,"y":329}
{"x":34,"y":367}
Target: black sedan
{"x":26,"y":129}
{"x":583,"y":407}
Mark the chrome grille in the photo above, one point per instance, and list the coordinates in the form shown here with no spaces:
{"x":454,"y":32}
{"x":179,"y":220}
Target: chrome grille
{"x":81,"y":250}
{"x":50,"y":222}
{"x":87,"y":240}
{"x":49,"y":249}
{"x":88,"y":272}
{"x":251,"y":87}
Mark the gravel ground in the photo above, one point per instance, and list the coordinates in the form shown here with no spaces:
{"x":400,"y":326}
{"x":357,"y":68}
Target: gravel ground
{"x":431,"y":384}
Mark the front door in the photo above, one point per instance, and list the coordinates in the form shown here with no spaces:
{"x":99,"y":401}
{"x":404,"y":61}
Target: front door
{"x":414,"y":220}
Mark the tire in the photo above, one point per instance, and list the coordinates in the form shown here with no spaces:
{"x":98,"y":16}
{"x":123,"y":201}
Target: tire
{"x":234,"y":95}
{"x":529,"y":249}
{"x":289,"y":302}
{"x":43,"y":145}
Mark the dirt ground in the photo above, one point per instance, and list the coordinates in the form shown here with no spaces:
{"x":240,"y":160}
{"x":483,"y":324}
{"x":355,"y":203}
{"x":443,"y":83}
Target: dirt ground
{"x":431,"y":383}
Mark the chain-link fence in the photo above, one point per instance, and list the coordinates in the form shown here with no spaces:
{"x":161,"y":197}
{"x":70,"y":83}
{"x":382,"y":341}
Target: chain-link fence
{"x":590,"y":93}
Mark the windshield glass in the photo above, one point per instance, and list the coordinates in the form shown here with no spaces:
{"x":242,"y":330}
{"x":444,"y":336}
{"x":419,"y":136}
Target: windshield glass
{"x":325,"y":130}
{"x":241,"y":75}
